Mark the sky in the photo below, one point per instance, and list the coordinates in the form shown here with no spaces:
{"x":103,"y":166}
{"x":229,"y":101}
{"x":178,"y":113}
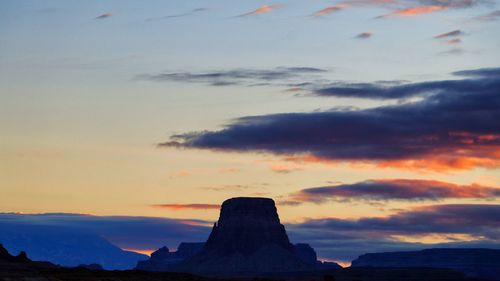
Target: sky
{"x":360,"y":118}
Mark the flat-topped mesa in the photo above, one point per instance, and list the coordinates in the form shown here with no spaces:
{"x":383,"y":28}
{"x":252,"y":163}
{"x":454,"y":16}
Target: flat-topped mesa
{"x":248,"y":238}
{"x":245,"y":225}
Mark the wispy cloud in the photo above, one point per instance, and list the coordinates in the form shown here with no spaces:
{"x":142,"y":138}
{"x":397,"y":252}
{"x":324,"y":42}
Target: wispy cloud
{"x":452,"y":52}
{"x":246,"y":77}
{"x":493,"y":16}
{"x":413,"y":11}
{"x":351,"y":4}
{"x":261,"y":10}
{"x":364,"y":35}
{"x":189,"y":13}
{"x":455,"y":41}
{"x":180,"y":207}
{"x":284,"y":169}
{"x":104,"y":16}
{"x":329,"y":10}
{"x":454,"y":33}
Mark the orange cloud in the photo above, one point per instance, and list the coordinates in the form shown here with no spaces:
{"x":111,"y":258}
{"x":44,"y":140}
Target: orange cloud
{"x":261,"y":10}
{"x":180,"y":207}
{"x":441,"y":163}
{"x":408,"y":12}
{"x":472,"y":151}
{"x":328,"y":10}
{"x":349,"y":3}
{"x":284,"y":169}
{"x":179,"y":174}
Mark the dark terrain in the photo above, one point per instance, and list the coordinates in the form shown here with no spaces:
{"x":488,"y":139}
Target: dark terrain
{"x":21,"y":268}
{"x":483,"y":263}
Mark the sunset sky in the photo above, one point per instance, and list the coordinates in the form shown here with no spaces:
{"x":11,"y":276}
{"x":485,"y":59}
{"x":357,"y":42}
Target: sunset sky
{"x":365,"y":120}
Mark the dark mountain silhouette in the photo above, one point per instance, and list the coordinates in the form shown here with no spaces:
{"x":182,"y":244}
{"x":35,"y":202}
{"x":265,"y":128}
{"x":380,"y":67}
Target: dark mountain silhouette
{"x":483,"y":263}
{"x":247,"y":239}
{"x":21,"y":268}
{"x":66,"y":247}
{"x":164,"y":260}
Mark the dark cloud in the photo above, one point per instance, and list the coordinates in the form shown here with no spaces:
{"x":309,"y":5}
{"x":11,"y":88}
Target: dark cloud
{"x":454,"y":33}
{"x":344,"y":239}
{"x":393,"y":189}
{"x":482,"y":72}
{"x":454,"y":128}
{"x":401,"y":90}
{"x":479,"y":220}
{"x":247,"y":77}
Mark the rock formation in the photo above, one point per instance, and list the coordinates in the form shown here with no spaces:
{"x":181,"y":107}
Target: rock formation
{"x":164,"y":260}
{"x":482,"y":263}
{"x":248,"y":238}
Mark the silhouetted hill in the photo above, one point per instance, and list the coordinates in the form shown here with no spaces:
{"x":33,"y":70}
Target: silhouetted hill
{"x":66,"y":247}
{"x":483,"y":263}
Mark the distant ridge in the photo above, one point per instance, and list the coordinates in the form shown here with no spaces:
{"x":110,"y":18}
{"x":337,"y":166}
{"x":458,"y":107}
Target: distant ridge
{"x":482,"y":263}
{"x":66,"y":247}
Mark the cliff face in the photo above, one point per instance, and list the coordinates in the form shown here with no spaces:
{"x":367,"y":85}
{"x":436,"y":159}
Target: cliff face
{"x":248,"y":238}
{"x":245,"y":225}
{"x":482,"y":263}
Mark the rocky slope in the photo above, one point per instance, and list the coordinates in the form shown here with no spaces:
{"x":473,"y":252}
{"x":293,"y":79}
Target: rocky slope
{"x":483,"y":263}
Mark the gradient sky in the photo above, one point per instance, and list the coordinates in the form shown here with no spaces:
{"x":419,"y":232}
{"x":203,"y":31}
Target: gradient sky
{"x":89,"y":89}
